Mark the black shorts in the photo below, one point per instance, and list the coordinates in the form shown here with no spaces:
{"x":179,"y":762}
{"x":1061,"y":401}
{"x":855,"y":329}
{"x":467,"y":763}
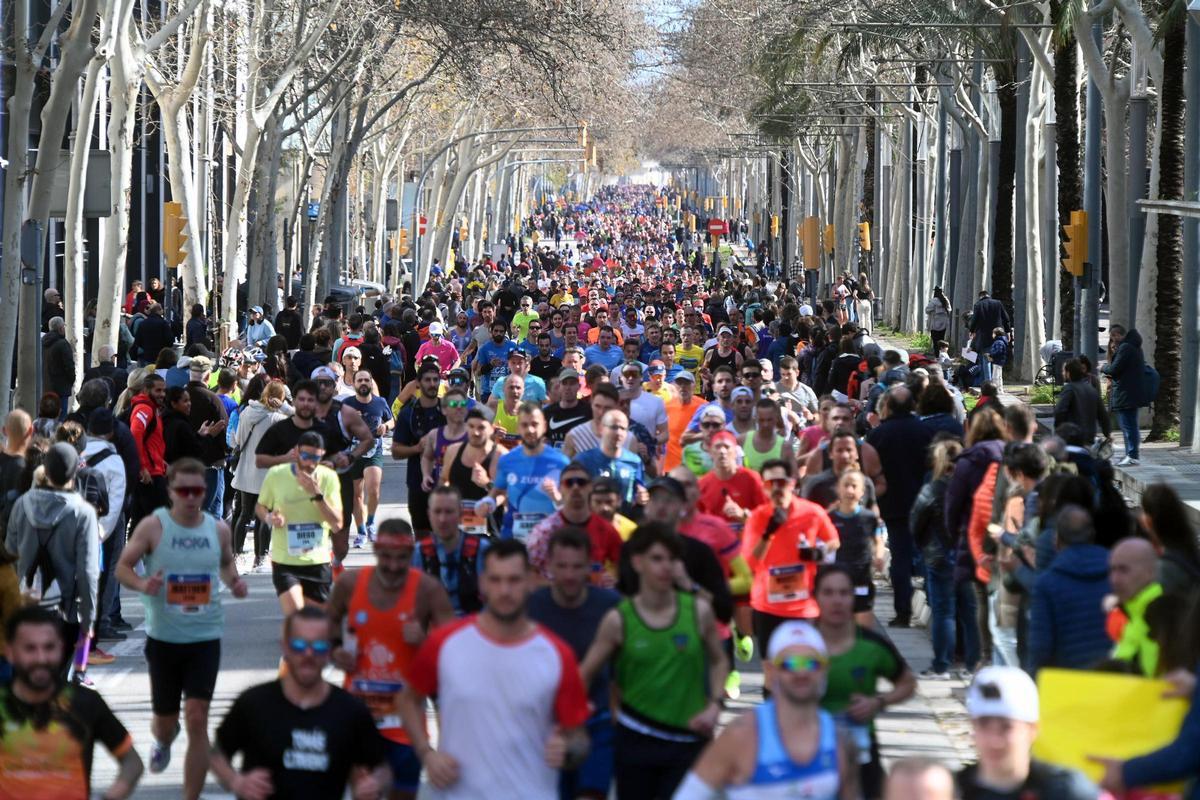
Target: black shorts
{"x":315,"y":580}
{"x":864,"y":587}
{"x":188,"y":670}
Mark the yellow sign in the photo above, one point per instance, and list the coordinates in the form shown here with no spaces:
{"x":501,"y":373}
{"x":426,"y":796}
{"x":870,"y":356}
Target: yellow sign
{"x":1102,"y":714}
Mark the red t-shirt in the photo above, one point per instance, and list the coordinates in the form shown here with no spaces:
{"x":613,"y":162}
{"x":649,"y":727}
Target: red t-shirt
{"x":745,"y":488}
{"x":783,"y":581}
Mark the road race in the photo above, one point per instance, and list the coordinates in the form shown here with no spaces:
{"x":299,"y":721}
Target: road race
{"x":649,"y":400}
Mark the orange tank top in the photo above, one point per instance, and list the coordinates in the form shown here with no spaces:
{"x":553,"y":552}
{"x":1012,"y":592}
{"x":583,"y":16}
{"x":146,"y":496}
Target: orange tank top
{"x":382,"y":655}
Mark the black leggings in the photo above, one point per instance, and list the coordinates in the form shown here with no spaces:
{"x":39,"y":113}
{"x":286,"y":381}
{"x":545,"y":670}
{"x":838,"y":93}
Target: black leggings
{"x":246,"y":516}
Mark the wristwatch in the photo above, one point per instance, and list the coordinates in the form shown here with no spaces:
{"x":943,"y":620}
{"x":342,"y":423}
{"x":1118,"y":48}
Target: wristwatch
{"x":317,"y":498}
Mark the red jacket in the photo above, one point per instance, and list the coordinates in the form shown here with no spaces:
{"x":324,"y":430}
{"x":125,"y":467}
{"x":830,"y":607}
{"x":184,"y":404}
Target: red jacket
{"x":146,"y":426}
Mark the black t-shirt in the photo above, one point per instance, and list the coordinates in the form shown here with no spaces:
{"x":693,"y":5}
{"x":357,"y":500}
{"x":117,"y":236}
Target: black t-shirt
{"x":309,"y":752}
{"x":280,"y":438}
{"x":545,"y":369}
{"x":52,"y":742}
{"x":1045,"y":782}
{"x":577,"y":627}
{"x":561,"y":421}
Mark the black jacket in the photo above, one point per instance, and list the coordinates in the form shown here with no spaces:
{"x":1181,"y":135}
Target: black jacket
{"x":180,"y":437}
{"x":207,"y":407}
{"x":58,"y":364}
{"x":901,"y":441}
{"x":1080,"y":403}
{"x":988,"y":314}
{"x":117,"y":379}
{"x":1128,"y":371}
{"x":289,"y":325}
{"x":153,"y":334}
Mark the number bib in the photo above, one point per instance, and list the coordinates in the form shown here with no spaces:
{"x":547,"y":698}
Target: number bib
{"x":472,"y":522}
{"x":523,"y":524}
{"x":787,"y":583}
{"x":380,"y":699}
{"x":304,"y":537}
{"x":188,"y":594}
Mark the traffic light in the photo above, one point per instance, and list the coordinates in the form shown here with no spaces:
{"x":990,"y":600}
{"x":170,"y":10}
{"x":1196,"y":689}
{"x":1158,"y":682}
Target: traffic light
{"x":173,"y":237}
{"x":1074,"y":250}
{"x":583,"y":135}
{"x":864,"y":236}
{"x":774,"y":225}
{"x":811,"y":242}
{"x":829,"y":240}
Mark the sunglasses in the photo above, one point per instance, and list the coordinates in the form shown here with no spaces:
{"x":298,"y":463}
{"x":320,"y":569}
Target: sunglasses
{"x":325,"y":382}
{"x":776,"y":483}
{"x":310,"y":456}
{"x":319,"y":647}
{"x":749,"y":376}
{"x":188,"y":491}
{"x":576,"y":483}
{"x":456,"y":403}
{"x":711,"y":426}
{"x":800,"y":663}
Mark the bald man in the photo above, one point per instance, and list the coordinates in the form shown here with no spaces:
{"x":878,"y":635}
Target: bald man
{"x":1132,"y":568}
{"x":919,"y":779}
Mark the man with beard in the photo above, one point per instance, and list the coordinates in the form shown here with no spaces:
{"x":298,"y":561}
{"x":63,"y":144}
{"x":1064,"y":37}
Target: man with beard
{"x":47,"y":728}
{"x":419,"y":416}
{"x":507,"y":729}
{"x":347,"y":439}
{"x":368,"y":470}
{"x":301,"y":737}
{"x":491,"y":364}
{"x":568,"y":413}
{"x":526,"y":478}
{"x":380,"y":615}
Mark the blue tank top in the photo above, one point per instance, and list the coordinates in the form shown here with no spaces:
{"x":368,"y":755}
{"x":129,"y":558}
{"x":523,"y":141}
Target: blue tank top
{"x":188,"y":607}
{"x":777,"y":777}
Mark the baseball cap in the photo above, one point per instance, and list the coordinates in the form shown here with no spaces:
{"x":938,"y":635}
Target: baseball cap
{"x":518,"y":353}
{"x":725,"y":329}
{"x":795,"y":634}
{"x":1005,"y":692}
{"x":60,"y":462}
{"x":684,"y":375}
{"x":101,"y":422}
{"x":436,"y":329}
{"x":631,"y":366}
{"x":723,"y":436}
{"x":606,"y":485}
{"x":200,"y":364}
{"x":256,"y":309}
{"x":742,"y":391}
{"x":670,"y":484}
{"x":323,"y":374}
{"x":352,"y":351}
{"x":458,"y":373}
{"x":658,"y":368}
{"x":715,"y":411}
{"x":568,"y":375}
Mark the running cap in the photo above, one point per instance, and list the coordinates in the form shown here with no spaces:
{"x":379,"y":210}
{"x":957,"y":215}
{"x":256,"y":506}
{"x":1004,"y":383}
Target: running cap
{"x":712,"y":410}
{"x":742,"y":391}
{"x":569,"y":375}
{"x":795,"y":634}
{"x":324,"y":374}
{"x":352,"y":351}
{"x":518,"y":353}
{"x":670,"y":484}
{"x":1005,"y":692}
{"x":436,"y":329}
{"x":658,"y":368}
{"x":723,"y":436}
{"x":684,"y":375}
{"x":725,"y":329}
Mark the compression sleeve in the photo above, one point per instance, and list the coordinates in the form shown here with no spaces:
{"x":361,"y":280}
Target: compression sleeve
{"x":693,"y":788}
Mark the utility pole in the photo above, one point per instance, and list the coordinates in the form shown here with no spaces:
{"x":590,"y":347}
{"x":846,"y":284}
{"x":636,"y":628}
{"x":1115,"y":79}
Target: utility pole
{"x":1087,"y":333}
{"x":1189,"y":400}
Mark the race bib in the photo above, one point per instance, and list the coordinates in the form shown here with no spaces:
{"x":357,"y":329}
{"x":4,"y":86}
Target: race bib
{"x":304,"y":537}
{"x":523,"y":524}
{"x":380,"y":699}
{"x":787,"y":583}
{"x":472,"y":522}
{"x":188,"y":594}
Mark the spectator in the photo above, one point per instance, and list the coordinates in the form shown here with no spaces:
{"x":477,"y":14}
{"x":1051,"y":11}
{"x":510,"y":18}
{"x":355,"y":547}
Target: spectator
{"x":52,"y":307}
{"x":1127,"y":371}
{"x":288,"y":322}
{"x":147,"y":430}
{"x":1132,"y":569}
{"x":987,"y":315}
{"x":258,"y":330}
{"x":152,"y":335}
{"x":101,"y":455}
{"x":106,"y":368}
{"x":196,"y":331}
{"x":58,"y":366}
{"x":1164,"y":517}
{"x":902,"y":442}
{"x":49,"y":409}
{"x":1066,"y":627}
{"x":936,"y":409}
{"x":1080,"y":404}
{"x":209,"y":419}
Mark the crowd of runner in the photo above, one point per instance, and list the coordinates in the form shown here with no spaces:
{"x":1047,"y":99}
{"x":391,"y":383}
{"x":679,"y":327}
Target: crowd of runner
{"x":635,"y":467}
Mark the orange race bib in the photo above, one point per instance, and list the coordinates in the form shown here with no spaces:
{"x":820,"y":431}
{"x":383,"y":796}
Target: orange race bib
{"x":188,"y":593}
{"x":787,"y":583}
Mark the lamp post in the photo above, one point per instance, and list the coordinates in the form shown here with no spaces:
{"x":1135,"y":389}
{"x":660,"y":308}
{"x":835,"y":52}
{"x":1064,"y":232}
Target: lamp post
{"x":1190,"y":401}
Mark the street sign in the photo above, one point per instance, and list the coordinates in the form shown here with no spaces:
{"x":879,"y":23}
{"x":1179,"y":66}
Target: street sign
{"x":421,"y":223}
{"x":717,"y":227}
{"x":314,"y":210}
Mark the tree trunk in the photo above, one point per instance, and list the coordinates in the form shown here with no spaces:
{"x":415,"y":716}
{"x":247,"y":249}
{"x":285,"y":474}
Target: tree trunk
{"x":1070,"y":174}
{"x":1002,"y":241}
{"x":1169,"y":255}
{"x":20,"y":105}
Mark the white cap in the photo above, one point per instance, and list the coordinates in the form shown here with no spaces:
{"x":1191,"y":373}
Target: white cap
{"x":795,"y":634}
{"x":1005,"y":692}
{"x":436,"y":329}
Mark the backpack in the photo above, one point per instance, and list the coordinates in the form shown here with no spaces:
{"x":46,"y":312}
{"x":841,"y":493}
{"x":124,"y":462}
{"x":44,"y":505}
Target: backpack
{"x":1152,"y":382}
{"x":43,"y":568}
{"x":468,"y":579}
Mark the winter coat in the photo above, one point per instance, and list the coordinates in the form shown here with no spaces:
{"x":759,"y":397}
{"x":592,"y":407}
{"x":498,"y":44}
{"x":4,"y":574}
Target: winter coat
{"x":901,"y":441}
{"x":112,"y":468}
{"x":152,"y":335}
{"x":71,"y":532}
{"x":1080,"y":404}
{"x":253,"y":422}
{"x":58,"y":365}
{"x":927,"y":522}
{"x":937,"y":316}
{"x":1128,"y":371}
{"x":1066,"y":626}
{"x":969,"y":468}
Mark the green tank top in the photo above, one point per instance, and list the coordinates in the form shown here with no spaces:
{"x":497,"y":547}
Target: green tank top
{"x":752,"y":459}
{"x":505,"y":421}
{"x":188,"y":607}
{"x":662,"y":673}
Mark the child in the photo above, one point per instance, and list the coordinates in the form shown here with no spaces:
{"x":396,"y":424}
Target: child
{"x":862,"y":546}
{"x":997,"y":354}
{"x":943,"y":357}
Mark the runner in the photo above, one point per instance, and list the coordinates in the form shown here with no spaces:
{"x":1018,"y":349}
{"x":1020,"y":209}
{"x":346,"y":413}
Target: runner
{"x":505,"y":730}
{"x":490,"y":364}
{"x":575,"y":487}
{"x":769,"y":439}
{"x":438,"y":441}
{"x":506,"y":405}
{"x":299,"y":736}
{"x":368,"y":469}
{"x":666,"y":656}
{"x":184,"y":551}
{"x":347,"y":438}
{"x":755,"y":757}
{"x":48,"y":728}
{"x":451,"y":555}
{"x":526,"y":479}
{"x":696,"y":455}
{"x":302,"y":505}
{"x":384,"y":613}
{"x":568,"y":413}
{"x":419,"y":416}
{"x":609,"y":459}
{"x":572,"y":610}
{"x":680,"y":411}
{"x":535,"y":387}
{"x":470,"y":466}
{"x":605,"y":398}
{"x":862,"y":545}
{"x":729,"y":491}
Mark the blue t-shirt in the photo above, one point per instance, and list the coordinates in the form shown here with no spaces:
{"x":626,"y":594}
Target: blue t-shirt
{"x":626,"y":469}
{"x":374,"y":412}
{"x":649,"y":353}
{"x":489,"y":351}
{"x":608,"y":359}
{"x":577,"y":627}
{"x":521,"y":476}
{"x":535,"y":389}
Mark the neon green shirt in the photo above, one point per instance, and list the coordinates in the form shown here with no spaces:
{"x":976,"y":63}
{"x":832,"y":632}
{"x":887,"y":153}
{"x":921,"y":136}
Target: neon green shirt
{"x":306,"y":538}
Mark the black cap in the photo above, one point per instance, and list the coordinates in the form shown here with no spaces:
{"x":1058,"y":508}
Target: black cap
{"x":60,"y":462}
{"x":606,"y":485}
{"x":101,"y":422}
{"x":670,"y":484}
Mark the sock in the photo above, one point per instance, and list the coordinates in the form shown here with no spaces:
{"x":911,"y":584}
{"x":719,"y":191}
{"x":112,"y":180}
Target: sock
{"x":362,"y":531}
{"x":370,"y":520}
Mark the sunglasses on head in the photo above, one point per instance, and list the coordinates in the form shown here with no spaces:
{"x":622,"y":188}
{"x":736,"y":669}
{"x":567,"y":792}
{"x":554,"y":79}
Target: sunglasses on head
{"x":456,"y":403}
{"x":189,"y":491}
{"x":796,"y":663}
{"x":299,"y":646}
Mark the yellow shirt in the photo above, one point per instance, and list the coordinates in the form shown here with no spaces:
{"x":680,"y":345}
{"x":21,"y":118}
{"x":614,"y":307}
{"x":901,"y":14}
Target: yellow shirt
{"x":690,"y":358}
{"x":560,"y":298}
{"x":522,"y":320}
{"x":306,"y":538}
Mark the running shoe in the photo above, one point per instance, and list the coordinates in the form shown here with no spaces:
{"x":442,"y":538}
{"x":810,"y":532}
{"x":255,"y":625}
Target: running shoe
{"x":160,"y":754}
{"x":98,"y":658}
{"x":260,"y":563}
{"x":358,"y":542}
{"x":733,"y":685}
{"x":1128,"y":461}
{"x":931,"y":675}
{"x":371,"y":528}
{"x":743,"y":648}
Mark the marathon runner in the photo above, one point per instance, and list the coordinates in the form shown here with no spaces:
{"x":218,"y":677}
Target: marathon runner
{"x":729,"y":491}
{"x":420,"y":415}
{"x":384,"y":613}
{"x":575,"y":487}
{"x":438,"y":441}
{"x":569,"y":412}
{"x":367,"y":471}
{"x":451,"y":555}
{"x":185,"y":552}
{"x":526,"y":478}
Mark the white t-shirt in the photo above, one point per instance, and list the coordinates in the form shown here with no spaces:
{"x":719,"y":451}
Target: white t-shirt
{"x":495,"y":719}
{"x":649,"y":410}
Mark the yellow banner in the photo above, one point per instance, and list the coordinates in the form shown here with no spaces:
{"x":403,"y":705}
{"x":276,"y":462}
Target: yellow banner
{"x":1103,"y":714}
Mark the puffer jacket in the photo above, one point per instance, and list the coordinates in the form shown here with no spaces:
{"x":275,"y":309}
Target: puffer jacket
{"x":1066,"y":626}
{"x":927,"y":521}
{"x":1128,"y":371}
